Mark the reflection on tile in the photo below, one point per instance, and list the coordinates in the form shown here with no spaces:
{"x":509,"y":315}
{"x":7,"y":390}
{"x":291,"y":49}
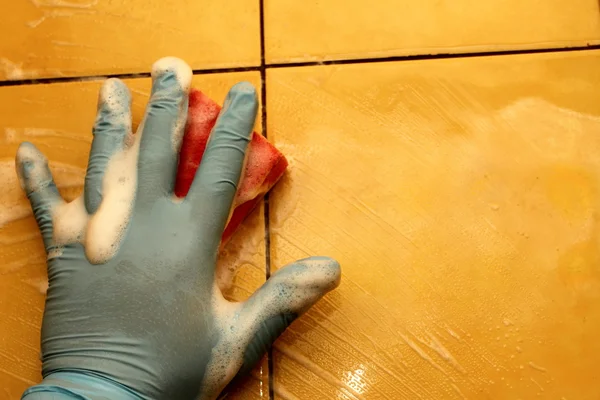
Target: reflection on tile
{"x":461,"y":197}
{"x":58,"y":118}
{"x":50,"y":38}
{"x":340,"y":29}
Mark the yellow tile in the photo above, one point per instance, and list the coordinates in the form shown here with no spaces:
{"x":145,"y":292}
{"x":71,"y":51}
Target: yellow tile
{"x":58,"y":118}
{"x":461,"y":197}
{"x":49,"y":38}
{"x":342,"y":29}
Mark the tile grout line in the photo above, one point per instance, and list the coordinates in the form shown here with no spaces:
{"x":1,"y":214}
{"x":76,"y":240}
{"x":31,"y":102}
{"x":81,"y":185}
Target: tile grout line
{"x":438,"y":56}
{"x":264,"y":66}
{"x":263,"y":115}
{"x":133,"y":75}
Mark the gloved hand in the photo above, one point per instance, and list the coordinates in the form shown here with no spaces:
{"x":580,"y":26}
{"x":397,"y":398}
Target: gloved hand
{"x":133,"y":310}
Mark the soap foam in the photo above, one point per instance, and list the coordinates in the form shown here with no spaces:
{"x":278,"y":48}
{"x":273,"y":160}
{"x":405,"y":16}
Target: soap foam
{"x":14,"y":71}
{"x":233,"y":255}
{"x":39,"y":176}
{"x":115,"y":96}
{"x":40,"y":285}
{"x":107,"y":226}
{"x":69,"y":221}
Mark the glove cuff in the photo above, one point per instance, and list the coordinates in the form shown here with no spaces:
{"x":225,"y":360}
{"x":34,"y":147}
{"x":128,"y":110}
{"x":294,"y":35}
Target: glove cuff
{"x":79,"y":385}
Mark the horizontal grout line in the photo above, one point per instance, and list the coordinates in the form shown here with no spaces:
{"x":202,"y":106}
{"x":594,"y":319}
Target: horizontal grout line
{"x":347,"y":61}
{"x":438,"y":56}
{"x":66,"y":79}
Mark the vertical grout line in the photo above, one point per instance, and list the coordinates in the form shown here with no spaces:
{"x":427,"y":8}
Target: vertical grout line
{"x":263,"y":115}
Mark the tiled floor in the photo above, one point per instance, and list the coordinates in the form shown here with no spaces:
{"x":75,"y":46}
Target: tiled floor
{"x":460,"y":192}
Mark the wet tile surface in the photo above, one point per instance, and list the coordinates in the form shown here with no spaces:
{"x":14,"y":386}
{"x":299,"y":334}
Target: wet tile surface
{"x":58,"y":118}
{"x":461,"y":198}
{"x":460,"y":195}
{"x":53,"y":38}
{"x":338,"y":29}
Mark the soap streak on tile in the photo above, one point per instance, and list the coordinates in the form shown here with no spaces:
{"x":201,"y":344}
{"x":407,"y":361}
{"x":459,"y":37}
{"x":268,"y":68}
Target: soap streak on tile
{"x":14,"y":70}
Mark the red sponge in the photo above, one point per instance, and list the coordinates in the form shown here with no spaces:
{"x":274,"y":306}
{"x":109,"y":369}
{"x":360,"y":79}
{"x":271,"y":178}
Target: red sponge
{"x":264,"y":163}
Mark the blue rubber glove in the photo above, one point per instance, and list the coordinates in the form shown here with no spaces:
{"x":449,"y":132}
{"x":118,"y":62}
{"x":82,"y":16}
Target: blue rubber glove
{"x":133,"y":310}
